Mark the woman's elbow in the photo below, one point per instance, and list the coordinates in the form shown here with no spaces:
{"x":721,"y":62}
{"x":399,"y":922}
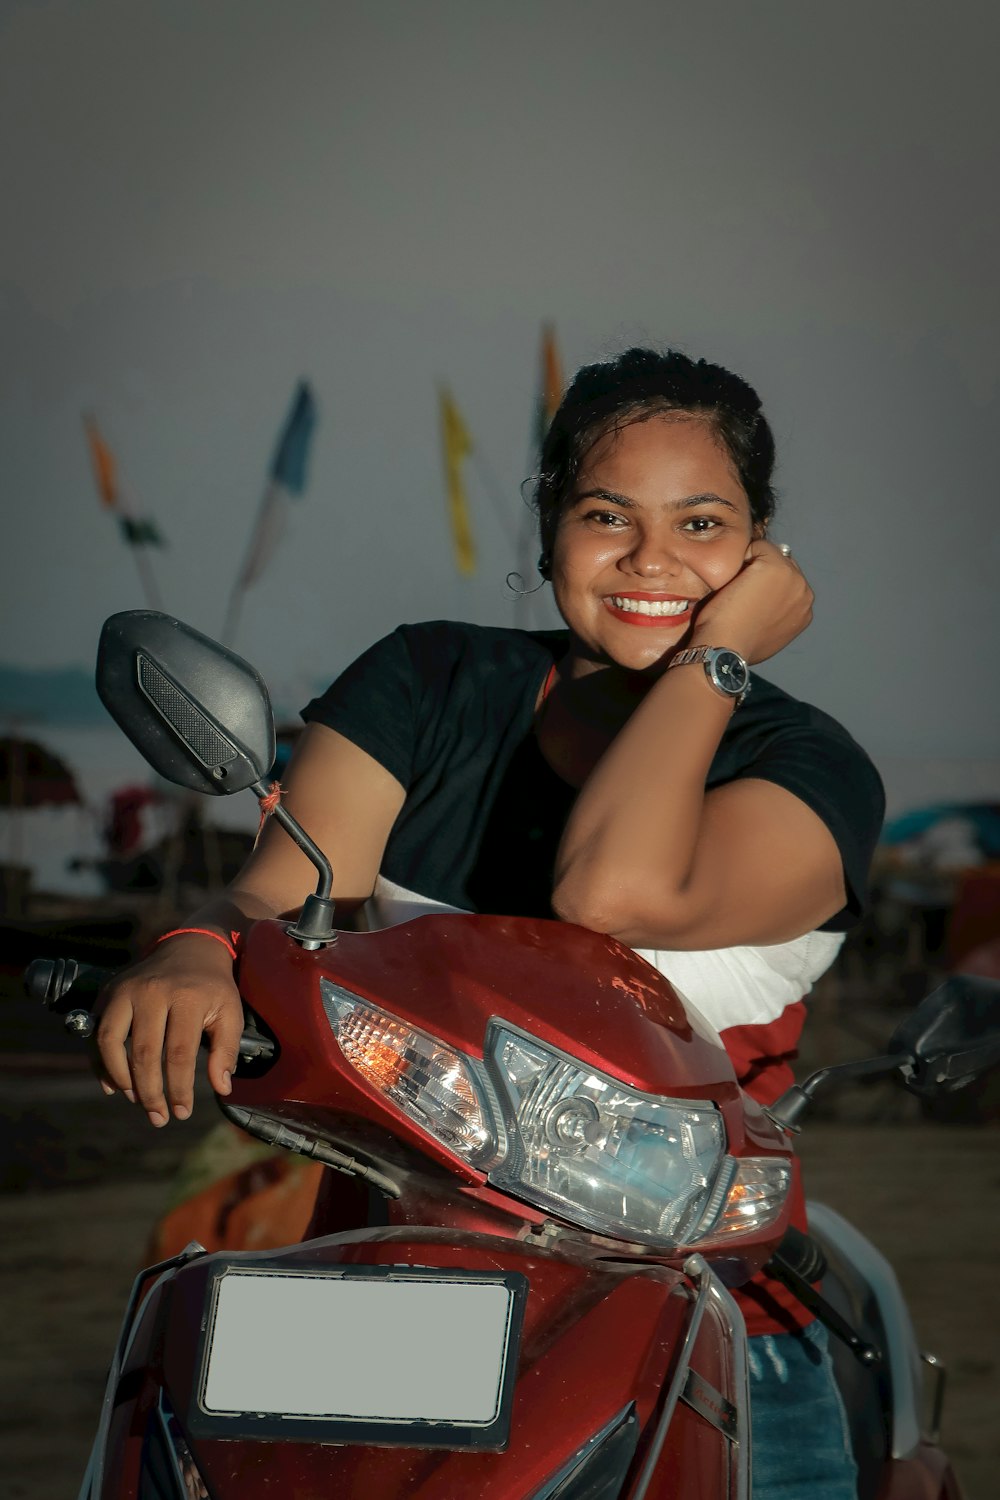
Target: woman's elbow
{"x":602,"y":906}
{"x":579,"y":907}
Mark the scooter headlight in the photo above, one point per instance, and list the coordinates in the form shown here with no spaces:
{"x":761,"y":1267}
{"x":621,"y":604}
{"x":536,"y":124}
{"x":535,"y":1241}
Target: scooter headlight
{"x":556,"y":1133}
{"x":601,"y":1154}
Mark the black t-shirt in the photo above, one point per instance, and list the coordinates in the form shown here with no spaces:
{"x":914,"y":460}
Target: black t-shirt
{"x":448,"y":709}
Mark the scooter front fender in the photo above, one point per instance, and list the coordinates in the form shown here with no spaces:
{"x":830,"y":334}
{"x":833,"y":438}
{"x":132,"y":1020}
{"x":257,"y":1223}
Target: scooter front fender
{"x":630,"y":1378}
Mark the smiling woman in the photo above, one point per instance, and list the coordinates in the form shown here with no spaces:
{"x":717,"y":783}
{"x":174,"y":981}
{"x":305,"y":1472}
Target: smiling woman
{"x":614,"y":773}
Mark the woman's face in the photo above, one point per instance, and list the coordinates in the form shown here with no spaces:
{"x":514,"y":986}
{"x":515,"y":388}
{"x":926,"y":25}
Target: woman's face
{"x":658,"y":521}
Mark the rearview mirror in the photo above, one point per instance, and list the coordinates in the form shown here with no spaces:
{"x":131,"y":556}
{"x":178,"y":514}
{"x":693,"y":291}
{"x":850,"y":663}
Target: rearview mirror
{"x":199,"y":714}
{"x":953,"y":1035}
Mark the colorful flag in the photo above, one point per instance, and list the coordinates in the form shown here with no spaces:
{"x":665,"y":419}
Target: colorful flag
{"x":457,"y":447}
{"x":288,"y":466}
{"x":138,"y":533}
{"x":286,"y":477}
{"x":105,"y":468}
{"x":550,"y":386}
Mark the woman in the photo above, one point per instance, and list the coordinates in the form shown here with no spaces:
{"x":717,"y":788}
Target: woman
{"x":626,"y":774}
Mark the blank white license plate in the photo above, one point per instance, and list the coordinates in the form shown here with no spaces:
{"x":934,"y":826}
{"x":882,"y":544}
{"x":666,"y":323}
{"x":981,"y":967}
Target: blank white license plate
{"x":360,"y":1348}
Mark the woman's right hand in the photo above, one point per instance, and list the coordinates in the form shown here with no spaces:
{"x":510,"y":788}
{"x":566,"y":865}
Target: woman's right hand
{"x":759,"y":611}
{"x":162,"y":1006}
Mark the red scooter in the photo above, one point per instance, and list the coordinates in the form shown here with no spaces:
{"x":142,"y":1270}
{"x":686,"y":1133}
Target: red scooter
{"x":558,"y":1181}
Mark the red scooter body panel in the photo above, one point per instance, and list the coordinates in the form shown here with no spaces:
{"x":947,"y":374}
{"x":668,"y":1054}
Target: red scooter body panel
{"x":576,"y":990}
{"x":596,"y":1338}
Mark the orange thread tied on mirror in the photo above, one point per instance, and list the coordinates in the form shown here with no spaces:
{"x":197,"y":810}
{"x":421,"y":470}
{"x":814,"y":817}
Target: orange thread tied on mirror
{"x":275,"y":793}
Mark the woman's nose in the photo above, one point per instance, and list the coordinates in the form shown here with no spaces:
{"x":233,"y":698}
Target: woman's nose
{"x":654,"y":556}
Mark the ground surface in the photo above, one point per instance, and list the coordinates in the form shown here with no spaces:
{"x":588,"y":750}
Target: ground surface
{"x":83,"y":1179}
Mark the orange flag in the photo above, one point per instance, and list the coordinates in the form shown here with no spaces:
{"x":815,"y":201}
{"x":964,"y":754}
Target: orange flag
{"x":551,"y":388}
{"x":105,"y":468}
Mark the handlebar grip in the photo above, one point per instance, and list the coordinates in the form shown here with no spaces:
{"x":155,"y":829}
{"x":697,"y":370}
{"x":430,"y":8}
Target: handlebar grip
{"x":62,"y":984}
{"x":69,"y":989}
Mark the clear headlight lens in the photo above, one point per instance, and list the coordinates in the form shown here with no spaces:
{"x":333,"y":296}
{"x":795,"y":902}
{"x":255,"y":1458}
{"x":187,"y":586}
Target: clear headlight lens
{"x":565,"y":1137}
{"x":429,"y":1081}
{"x":597,"y":1152}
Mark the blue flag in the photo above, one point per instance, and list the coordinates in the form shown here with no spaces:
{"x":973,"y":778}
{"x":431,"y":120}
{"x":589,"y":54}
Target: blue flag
{"x":288,"y":466}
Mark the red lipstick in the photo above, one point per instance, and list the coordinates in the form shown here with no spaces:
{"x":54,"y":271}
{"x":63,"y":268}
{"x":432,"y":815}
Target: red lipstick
{"x":656,"y":622}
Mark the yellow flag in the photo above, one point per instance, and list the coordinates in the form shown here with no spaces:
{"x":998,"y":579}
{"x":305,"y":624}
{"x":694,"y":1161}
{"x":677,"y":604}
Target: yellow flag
{"x":105,"y":469}
{"x":457,"y":447}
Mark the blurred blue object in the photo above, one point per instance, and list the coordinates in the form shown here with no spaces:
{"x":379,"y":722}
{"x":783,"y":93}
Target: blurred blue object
{"x":983,"y":819}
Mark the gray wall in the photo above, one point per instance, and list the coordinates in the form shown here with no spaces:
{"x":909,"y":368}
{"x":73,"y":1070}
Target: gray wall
{"x":205,"y":200}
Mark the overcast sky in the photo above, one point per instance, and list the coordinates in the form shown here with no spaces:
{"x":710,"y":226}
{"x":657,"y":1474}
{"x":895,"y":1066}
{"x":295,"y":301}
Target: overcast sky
{"x":206,"y":199}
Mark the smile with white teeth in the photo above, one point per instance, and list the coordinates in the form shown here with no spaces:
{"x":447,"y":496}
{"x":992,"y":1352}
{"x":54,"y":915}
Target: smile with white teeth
{"x":651,"y":606}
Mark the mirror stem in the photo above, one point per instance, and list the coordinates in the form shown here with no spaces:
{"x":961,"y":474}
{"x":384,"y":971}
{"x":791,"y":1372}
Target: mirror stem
{"x":787,"y":1111}
{"x":305,"y":843}
{"x":315,"y":928}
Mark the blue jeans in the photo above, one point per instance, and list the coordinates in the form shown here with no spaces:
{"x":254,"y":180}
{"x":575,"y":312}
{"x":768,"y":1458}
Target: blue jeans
{"x":801,"y":1447}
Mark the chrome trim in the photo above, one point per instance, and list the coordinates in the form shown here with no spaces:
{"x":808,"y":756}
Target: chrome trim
{"x":940,"y":1369}
{"x":727,"y":1307}
{"x":582,"y":1454}
{"x":854,"y":1257}
{"x":700,"y":1273}
{"x":710,"y":1404}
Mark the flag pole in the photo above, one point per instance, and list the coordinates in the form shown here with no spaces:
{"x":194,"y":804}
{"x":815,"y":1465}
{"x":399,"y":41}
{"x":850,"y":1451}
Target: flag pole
{"x":232,"y":620}
{"x":494,"y":494}
{"x":234,"y":608}
{"x":147,"y":579}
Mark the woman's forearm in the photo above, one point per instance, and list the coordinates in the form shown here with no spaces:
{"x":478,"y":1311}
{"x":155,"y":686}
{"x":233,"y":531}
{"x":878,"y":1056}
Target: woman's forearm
{"x":229,"y":915}
{"x":629,"y":846}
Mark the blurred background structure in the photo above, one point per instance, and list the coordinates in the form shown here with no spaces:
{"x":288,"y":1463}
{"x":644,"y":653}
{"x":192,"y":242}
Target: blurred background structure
{"x":283,"y":292}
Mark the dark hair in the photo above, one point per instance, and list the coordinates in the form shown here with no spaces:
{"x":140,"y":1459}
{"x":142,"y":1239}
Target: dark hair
{"x":633,"y":387}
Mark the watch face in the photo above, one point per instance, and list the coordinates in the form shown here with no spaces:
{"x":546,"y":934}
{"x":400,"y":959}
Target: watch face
{"x":730,"y":672}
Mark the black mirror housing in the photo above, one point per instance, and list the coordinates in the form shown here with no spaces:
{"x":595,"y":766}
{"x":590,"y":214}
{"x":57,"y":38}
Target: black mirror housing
{"x":198,"y":713}
{"x":953,"y":1035}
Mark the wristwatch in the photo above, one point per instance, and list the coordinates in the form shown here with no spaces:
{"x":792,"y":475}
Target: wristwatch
{"x":725,"y":669}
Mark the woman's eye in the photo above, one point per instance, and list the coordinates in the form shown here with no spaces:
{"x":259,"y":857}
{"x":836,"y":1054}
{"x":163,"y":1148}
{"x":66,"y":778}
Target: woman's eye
{"x":701,"y":525}
{"x":608,"y":518}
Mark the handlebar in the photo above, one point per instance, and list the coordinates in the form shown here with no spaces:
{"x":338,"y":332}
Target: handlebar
{"x":70,"y":989}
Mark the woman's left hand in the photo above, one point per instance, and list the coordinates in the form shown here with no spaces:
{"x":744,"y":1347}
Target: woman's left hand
{"x":766,"y":605}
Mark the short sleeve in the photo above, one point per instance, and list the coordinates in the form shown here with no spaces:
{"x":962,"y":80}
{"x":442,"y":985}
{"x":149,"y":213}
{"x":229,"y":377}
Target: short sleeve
{"x":372,"y":704}
{"x":827,"y":770}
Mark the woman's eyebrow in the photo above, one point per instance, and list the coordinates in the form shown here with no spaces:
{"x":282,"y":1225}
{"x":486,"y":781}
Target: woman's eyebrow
{"x":708,"y":497}
{"x":609,"y":495}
